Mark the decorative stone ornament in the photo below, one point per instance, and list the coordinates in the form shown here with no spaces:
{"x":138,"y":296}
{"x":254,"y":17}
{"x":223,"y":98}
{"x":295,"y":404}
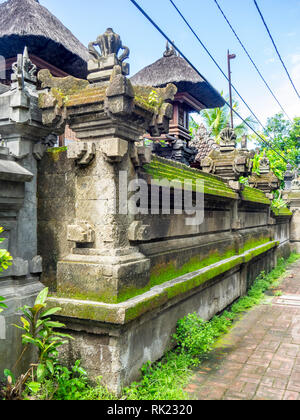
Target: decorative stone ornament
{"x":289,"y":177}
{"x":228,"y":139}
{"x":101,"y":65}
{"x":109,"y":43}
{"x":228,"y":162}
{"x":264,"y":165}
{"x":266,"y":181}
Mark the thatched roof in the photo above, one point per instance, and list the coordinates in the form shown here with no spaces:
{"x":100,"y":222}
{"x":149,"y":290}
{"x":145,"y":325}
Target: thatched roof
{"x":28,"y":23}
{"x":174,"y":69}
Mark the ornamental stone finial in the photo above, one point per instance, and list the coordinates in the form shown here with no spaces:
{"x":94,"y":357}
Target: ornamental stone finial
{"x":264,"y":164}
{"x":288,"y":176}
{"x":228,"y":139}
{"x":101,"y":64}
{"x":23,"y":71}
{"x":109,"y":43}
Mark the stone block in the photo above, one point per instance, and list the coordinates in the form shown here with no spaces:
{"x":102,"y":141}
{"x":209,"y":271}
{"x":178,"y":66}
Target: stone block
{"x":19,"y":268}
{"x":114,"y":149}
{"x":81,"y":232}
{"x":36,"y":265}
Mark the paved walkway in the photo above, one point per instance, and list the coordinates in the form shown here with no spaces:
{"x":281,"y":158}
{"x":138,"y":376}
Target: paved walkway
{"x":259,"y":359}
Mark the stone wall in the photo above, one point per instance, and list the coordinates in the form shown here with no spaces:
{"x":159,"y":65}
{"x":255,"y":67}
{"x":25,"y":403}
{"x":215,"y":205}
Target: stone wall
{"x":205,"y":268}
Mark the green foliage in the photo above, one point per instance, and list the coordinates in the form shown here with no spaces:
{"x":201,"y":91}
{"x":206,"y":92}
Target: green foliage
{"x":2,"y":305}
{"x":67,"y":385}
{"x":286,"y":141}
{"x":153,"y":98}
{"x":38,"y":331}
{"x":217,"y":119}
{"x":244,"y":180}
{"x":5,"y":257}
{"x":195,"y":338}
{"x":5,"y":262}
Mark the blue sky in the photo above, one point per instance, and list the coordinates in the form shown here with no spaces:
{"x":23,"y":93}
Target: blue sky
{"x":90,"y":18}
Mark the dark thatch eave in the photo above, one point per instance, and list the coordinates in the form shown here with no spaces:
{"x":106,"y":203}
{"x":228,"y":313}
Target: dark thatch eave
{"x":174,"y":69}
{"x":28,"y":23}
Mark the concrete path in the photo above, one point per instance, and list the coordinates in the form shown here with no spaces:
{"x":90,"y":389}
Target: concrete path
{"x":259,"y":359}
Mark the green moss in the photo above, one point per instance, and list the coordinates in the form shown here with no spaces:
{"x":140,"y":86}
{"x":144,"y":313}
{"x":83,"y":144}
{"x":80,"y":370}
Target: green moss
{"x":254,"y":195}
{"x":254,"y":243}
{"x":55,"y":152}
{"x":160,"y":168}
{"x":121,"y":314}
{"x":283,"y":211}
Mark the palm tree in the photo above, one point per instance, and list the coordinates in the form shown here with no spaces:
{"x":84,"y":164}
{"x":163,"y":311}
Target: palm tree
{"x":217,"y":119}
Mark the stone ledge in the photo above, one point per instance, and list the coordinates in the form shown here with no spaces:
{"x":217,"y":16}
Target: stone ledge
{"x":125,"y":312}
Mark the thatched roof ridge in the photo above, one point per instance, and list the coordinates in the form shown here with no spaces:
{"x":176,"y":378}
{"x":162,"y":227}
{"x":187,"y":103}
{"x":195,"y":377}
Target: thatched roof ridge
{"x":174,"y":69}
{"x":27,"y":22}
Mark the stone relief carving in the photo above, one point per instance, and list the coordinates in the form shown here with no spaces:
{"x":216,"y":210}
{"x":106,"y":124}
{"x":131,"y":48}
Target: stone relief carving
{"x":82,"y":153}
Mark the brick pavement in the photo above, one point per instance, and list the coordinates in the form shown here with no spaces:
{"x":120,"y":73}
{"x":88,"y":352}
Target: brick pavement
{"x":259,"y":359}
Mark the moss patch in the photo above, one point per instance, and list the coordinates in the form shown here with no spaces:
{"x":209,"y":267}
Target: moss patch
{"x":161,"y":168}
{"x":125,"y":312}
{"x":254,"y":195}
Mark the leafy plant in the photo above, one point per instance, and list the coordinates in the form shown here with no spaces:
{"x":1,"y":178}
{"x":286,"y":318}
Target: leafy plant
{"x":67,"y":384}
{"x":217,"y":119}
{"x":2,"y":305}
{"x":38,"y":331}
{"x":153,"y":98}
{"x":5,"y":257}
{"x":38,"y":328}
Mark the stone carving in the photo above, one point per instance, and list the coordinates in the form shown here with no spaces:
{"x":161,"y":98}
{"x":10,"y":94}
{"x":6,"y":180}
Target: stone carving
{"x":40,"y":148}
{"x":140,"y":155}
{"x":264,"y":165}
{"x":109,"y":43}
{"x":81,"y":232}
{"x":23,"y":70}
{"x":228,"y":139}
{"x":100,"y":66}
{"x":139,"y":232}
{"x":82,"y":152}
{"x":266,"y":181}
{"x":289,"y":176}
{"x":228,"y":162}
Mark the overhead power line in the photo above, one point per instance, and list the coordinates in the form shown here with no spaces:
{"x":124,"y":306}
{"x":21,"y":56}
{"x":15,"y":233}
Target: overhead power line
{"x":276,"y":49}
{"x":197,"y":71}
{"x":250,"y":58}
{"x":226,"y":77}
{"x":219,"y":67}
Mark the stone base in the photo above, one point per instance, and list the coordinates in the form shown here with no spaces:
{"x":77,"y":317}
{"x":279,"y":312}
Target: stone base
{"x":115,"y":340}
{"x":16,"y":294}
{"x":106,"y":278}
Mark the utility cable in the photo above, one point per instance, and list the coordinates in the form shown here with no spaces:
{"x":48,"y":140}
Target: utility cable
{"x":250,"y":58}
{"x":197,"y":71}
{"x":276,"y":49}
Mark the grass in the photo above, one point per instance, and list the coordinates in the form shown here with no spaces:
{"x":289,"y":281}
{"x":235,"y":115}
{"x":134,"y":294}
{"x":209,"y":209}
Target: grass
{"x":195,"y":338}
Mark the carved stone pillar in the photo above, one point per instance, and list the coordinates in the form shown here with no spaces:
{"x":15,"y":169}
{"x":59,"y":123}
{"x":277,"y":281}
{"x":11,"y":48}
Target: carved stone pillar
{"x":108,"y":118}
{"x":25,"y":137}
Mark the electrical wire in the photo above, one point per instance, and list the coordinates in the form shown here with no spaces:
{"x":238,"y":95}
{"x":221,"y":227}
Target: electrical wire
{"x":252,"y":61}
{"x":276,"y":49}
{"x":197,"y":71}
